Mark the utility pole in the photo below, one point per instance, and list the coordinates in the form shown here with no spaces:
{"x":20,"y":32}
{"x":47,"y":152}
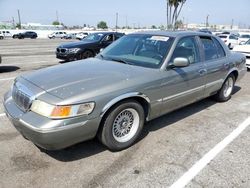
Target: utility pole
{"x":232,"y":24}
{"x":19,"y":19}
{"x":57,"y":18}
{"x":207,"y":21}
{"x":13,"y":22}
{"x":116,"y":22}
{"x":126,"y":22}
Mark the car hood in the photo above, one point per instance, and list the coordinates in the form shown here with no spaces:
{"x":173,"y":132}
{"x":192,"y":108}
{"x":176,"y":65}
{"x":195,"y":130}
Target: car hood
{"x":77,"y":44}
{"x":242,"y":48}
{"x":88,"y":77}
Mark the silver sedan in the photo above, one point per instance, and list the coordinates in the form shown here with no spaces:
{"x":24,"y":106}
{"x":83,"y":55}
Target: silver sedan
{"x":139,"y":77}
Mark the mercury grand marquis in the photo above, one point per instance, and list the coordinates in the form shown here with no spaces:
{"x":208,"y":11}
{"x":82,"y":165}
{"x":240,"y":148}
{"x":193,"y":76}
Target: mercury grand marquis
{"x":139,"y":77}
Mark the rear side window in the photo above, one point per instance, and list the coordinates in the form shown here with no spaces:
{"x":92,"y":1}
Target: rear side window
{"x":210,"y":48}
{"x":220,"y":51}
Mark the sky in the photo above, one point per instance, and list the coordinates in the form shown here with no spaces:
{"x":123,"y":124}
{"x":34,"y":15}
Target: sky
{"x":133,"y":12}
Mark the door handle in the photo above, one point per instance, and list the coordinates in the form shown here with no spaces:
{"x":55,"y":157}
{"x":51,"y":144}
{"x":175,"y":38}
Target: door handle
{"x":202,"y":71}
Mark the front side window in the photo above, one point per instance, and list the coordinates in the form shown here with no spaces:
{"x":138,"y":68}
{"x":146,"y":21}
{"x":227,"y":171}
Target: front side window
{"x":210,"y":49}
{"x":187,"y":48}
{"x":109,"y":38}
{"x":139,"y":49}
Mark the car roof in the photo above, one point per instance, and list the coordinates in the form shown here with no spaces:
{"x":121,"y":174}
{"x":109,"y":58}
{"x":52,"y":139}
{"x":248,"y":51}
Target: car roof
{"x":173,"y":33}
{"x":106,"y":32}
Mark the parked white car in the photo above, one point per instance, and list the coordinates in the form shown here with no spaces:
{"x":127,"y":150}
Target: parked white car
{"x":58,"y":34}
{"x":245,"y":49}
{"x":1,"y":35}
{"x":230,"y":40}
{"x":81,"y":35}
{"x":244,"y":37}
{"x":5,"y":34}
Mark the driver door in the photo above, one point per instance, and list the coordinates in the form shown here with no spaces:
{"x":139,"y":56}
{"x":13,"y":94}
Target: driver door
{"x":183,"y":85}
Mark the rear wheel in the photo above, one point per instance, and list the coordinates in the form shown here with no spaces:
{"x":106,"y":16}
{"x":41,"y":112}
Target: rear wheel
{"x":1,"y":37}
{"x":224,"y":94}
{"x":122,"y":126}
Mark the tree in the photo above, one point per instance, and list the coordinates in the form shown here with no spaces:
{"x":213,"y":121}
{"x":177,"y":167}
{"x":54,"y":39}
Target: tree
{"x":153,"y":27}
{"x":55,"y":23}
{"x":178,"y":24}
{"x":102,"y":25}
{"x":174,"y":8}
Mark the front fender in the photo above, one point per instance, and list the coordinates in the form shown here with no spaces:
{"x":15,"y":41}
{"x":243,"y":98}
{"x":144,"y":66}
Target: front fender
{"x":122,"y":97}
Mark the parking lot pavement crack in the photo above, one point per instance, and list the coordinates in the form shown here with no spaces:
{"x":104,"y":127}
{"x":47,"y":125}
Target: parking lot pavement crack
{"x":8,"y":136}
{"x":101,"y":178}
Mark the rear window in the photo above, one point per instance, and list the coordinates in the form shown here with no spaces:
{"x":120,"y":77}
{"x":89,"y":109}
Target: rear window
{"x":210,"y":48}
{"x":223,"y":36}
{"x":245,"y":36}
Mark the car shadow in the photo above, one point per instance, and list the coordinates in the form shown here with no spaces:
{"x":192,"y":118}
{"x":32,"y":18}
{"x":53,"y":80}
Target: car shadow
{"x":4,"y":69}
{"x":62,"y":62}
{"x":93,"y":147}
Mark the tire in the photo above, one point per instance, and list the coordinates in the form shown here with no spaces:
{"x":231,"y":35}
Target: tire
{"x":86,"y":54}
{"x":229,"y":46}
{"x":122,"y":125}
{"x":224,"y":94}
{"x":1,"y":38}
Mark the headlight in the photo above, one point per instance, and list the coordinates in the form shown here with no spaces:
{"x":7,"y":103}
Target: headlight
{"x":73,"y":50}
{"x":58,"y":112}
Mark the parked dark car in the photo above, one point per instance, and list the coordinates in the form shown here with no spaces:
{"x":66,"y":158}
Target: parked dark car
{"x":26,"y":34}
{"x":88,"y":47}
{"x":205,"y":31}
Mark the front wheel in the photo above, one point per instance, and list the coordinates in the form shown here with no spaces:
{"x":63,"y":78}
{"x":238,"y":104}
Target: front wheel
{"x":224,"y":94}
{"x":122,"y":126}
{"x":87,"y":54}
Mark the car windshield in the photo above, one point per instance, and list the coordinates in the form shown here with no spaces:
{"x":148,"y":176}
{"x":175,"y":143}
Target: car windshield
{"x":94,"y":37}
{"x":139,"y":50}
{"x":248,"y":42}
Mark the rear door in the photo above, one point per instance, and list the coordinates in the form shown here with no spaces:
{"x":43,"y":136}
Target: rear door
{"x":216,"y":64}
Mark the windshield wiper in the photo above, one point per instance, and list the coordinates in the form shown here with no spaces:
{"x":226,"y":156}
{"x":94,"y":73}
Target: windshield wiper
{"x":120,"y":61}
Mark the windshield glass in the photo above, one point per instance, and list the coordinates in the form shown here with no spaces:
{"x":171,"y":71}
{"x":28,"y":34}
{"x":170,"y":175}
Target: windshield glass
{"x":94,"y":37}
{"x":248,"y":42}
{"x":139,"y":49}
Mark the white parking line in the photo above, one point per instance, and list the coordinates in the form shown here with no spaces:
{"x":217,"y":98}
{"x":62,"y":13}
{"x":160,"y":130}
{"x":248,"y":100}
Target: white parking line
{"x":4,"y":79}
{"x":2,"y":114}
{"x":198,"y":166}
{"x":37,"y":62}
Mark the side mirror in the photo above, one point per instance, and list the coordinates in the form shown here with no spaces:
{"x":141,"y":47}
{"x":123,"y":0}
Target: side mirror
{"x":180,"y":62}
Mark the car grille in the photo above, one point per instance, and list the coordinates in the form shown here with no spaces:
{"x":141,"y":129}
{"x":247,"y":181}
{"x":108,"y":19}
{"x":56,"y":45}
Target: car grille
{"x":61,"y":50}
{"x":22,"y":100}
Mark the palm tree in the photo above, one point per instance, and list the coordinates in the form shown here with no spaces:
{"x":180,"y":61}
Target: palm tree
{"x":176,"y":7}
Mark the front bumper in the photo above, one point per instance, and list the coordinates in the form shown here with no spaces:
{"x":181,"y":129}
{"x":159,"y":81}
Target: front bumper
{"x":65,"y":56}
{"x":47,"y":133}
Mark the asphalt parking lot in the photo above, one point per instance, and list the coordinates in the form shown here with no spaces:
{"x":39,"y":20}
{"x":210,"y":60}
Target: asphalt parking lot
{"x":168,"y":147}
